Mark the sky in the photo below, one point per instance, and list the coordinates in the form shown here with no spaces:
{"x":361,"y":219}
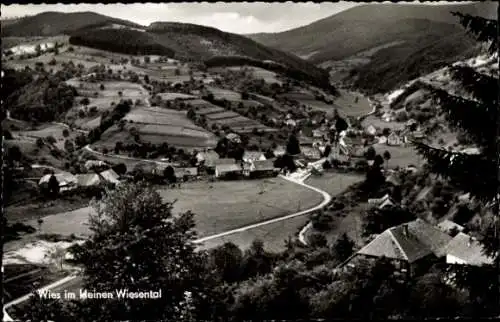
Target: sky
{"x":242,"y":18}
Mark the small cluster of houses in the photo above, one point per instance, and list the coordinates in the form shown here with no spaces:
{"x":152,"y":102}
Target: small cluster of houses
{"x":410,"y":132}
{"x":253,"y":164}
{"x":68,"y":181}
{"x":414,"y":246}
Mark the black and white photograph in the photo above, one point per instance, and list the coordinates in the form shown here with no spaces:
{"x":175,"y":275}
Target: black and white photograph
{"x":250,"y":161}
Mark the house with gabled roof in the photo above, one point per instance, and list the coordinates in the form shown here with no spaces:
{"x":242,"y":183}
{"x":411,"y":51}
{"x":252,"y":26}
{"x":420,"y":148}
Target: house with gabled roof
{"x":412,"y":247}
{"x":466,"y":250}
{"x":66,"y":180}
{"x":261,"y":168}
{"x":228,"y":170}
{"x":393,"y":139}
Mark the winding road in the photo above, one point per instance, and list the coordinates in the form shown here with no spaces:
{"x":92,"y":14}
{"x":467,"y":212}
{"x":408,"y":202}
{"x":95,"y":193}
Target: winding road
{"x":76,"y":279}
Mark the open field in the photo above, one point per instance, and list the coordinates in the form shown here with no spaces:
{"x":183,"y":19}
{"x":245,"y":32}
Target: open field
{"x":346,"y":103}
{"x":336,"y":183}
{"x":401,"y":156}
{"x":221,"y":93}
{"x":274,"y":235}
{"x":250,"y":202}
{"x":159,"y":125}
{"x":28,"y":147}
{"x":54,"y":130}
{"x":209,"y":110}
{"x":221,"y":115}
{"x":237,"y":122}
{"x":111,"y":88}
{"x":333,"y":183}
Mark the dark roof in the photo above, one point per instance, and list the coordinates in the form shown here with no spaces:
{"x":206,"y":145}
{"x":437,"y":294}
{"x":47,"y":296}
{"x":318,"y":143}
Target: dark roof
{"x":422,"y":239}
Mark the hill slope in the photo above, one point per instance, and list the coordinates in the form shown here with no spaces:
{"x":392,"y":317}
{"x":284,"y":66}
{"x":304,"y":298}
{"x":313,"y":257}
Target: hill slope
{"x":58,"y":23}
{"x":189,"y":42}
{"x":364,"y":27}
{"x":377,"y":47}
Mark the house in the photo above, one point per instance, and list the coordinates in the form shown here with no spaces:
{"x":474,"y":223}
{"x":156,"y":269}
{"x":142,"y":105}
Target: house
{"x":382,"y":139}
{"x":386,"y":203}
{"x":250,"y":156}
{"x":448,"y":226}
{"x":262,"y":168}
{"x":208,"y":158}
{"x":291,"y":123}
{"x":66,"y":180}
{"x":412,"y":247}
{"x":182,"y":173}
{"x":393,"y":139}
{"x":466,"y":250}
{"x":372,"y":130}
{"x":378,"y":201}
{"x":228,"y":170}
{"x":110,"y":176}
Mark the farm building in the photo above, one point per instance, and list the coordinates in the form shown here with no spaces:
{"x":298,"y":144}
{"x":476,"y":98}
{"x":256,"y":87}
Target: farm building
{"x":228,"y":170}
{"x":412,"y":247}
{"x":207,"y":157}
{"x":393,"y":139}
{"x":250,"y":156}
{"x":94,"y":179}
{"x":66,"y":180}
{"x":466,"y":250}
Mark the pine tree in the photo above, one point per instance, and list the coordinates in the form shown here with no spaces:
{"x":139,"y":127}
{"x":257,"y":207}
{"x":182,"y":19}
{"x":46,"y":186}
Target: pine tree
{"x":478,"y":117}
